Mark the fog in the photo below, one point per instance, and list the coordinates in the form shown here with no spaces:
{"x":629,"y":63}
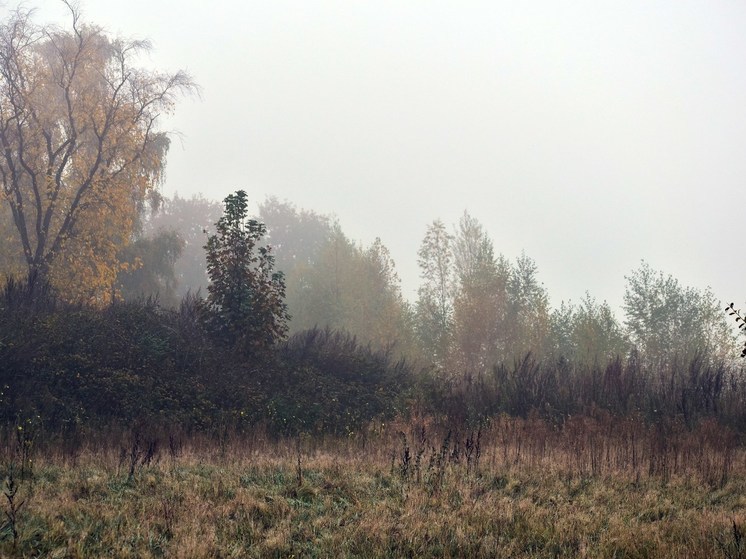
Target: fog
{"x":590,"y":135}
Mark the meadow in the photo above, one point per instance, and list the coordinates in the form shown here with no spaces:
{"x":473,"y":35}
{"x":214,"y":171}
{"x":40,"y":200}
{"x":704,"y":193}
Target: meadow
{"x":592,"y":486}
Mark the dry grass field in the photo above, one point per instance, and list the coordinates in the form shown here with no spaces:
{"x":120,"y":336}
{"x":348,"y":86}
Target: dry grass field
{"x":516,"y":488}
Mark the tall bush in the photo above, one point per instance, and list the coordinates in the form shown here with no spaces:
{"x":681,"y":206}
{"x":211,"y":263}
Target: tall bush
{"x":246,"y":300}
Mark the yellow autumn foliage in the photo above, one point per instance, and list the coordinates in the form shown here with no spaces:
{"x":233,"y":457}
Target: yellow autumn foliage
{"x":81,"y":150}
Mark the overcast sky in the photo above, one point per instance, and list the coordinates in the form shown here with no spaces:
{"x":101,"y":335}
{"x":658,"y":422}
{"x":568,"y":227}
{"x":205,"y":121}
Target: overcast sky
{"x":591,"y":134}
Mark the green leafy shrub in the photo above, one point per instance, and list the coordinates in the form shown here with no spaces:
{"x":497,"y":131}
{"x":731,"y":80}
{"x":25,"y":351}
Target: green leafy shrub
{"x":246,"y":301}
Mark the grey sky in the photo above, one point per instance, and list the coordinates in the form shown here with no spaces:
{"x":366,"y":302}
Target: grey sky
{"x":591,"y":134}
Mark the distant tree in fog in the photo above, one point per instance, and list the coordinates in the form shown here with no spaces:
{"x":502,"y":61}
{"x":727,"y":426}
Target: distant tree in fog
{"x":383,"y":307}
{"x":597,"y":334}
{"x":149,"y":268}
{"x":335,"y":282}
{"x":192,"y":219}
{"x":586,"y":333}
{"x":480,"y":298}
{"x":528,"y":310}
{"x":665,"y":320}
{"x":297,"y":235}
{"x":434,"y":309}
{"x":299,"y":239}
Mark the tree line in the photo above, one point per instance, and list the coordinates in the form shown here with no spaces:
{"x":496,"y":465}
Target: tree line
{"x":474,"y":307}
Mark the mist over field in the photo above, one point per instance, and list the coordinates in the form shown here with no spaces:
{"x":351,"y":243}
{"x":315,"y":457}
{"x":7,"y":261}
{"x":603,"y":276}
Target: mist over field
{"x":591,"y":135}
{"x":372,"y":279}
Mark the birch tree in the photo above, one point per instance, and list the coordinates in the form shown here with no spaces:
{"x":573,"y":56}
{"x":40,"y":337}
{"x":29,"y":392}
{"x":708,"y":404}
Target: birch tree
{"x":80,"y":146}
{"x":435,"y":295}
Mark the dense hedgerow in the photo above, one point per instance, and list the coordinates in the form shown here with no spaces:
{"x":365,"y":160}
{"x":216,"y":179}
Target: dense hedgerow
{"x":76,"y":365}
{"x":82,"y":366}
